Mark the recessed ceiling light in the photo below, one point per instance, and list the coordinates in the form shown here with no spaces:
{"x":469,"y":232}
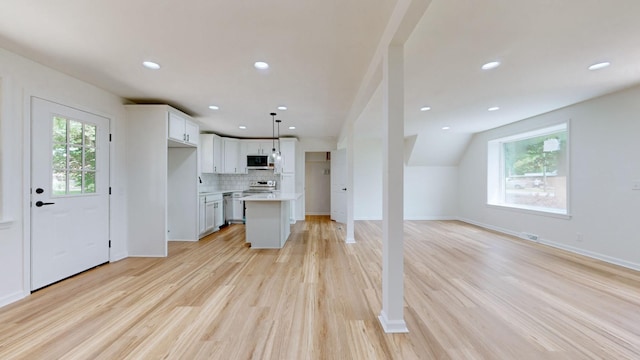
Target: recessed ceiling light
{"x":445,"y":128}
{"x":599,"y":65}
{"x":494,"y":108}
{"x":151,"y":65}
{"x":242,"y":127}
{"x":425,"y":108}
{"x":261,"y":65}
{"x":491,"y":65}
{"x":214,"y":107}
{"x":282,"y":108}
{"x":292,"y":127}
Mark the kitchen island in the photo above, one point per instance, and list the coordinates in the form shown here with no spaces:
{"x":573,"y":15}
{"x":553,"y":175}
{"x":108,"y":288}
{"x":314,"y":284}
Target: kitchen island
{"x":267,"y":219}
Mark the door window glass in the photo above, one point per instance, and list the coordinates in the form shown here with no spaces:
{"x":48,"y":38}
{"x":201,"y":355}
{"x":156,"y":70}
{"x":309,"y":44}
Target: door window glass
{"x":73,"y":157}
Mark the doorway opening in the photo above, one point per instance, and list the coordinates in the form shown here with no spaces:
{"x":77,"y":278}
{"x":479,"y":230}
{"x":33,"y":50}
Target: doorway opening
{"x":317,"y":183}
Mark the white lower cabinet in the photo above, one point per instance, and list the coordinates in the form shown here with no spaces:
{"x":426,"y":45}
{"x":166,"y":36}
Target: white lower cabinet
{"x":202,"y":213}
{"x":288,"y":186}
{"x":238,"y":209}
{"x":211,"y":215}
{"x":218,"y":214}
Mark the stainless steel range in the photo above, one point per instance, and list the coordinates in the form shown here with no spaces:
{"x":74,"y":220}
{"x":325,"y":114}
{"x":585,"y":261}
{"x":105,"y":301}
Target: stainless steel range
{"x":260,"y":187}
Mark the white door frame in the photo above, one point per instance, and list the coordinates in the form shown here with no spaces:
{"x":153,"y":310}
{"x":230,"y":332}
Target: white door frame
{"x":27,"y":95}
{"x":336,"y":161}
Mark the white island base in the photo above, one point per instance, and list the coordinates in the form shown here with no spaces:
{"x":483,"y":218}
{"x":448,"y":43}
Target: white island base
{"x":267,"y":220}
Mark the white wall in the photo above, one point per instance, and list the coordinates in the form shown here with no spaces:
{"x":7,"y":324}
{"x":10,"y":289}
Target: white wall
{"x":317,"y":184}
{"x":367,"y":179}
{"x":430,"y":193}
{"x":21,"y":79}
{"x":604,"y":209}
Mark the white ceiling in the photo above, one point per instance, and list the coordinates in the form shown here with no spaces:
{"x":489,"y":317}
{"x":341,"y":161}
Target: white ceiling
{"x":319,"y":51}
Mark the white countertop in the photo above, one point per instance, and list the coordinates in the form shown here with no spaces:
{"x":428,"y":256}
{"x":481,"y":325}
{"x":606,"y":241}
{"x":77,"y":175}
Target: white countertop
{"x":219,"y":192}
{"x":276,"y":196}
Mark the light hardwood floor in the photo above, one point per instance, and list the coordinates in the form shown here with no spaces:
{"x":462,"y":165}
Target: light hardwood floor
{"x":470,"y":294}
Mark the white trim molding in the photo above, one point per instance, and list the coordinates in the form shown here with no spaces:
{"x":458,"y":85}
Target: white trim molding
{"x":392,"y":326}
{"x":11,"y":298}
{"x":590,"y":254}
{"x":5,"y":223}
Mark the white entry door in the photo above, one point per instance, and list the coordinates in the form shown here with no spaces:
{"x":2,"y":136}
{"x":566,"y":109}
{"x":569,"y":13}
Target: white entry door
{"x":69,"y":191}
{"x":339,"y":185}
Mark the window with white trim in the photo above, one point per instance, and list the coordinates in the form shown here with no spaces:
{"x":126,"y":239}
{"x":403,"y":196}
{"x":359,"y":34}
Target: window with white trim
{"x":530,"y":170}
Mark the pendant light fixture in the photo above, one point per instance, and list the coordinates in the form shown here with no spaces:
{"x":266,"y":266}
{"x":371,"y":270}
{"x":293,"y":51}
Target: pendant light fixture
{"x":273,"y":135}
{"x":279,"y":156}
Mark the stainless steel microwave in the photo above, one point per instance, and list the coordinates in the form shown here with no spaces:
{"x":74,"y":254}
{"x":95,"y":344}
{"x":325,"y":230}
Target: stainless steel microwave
{"x":259,"y":162}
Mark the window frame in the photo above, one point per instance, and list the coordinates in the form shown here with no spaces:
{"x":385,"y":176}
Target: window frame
{"x":496,"y":179}
{"x":4,"y":221}
{"x":83,"y":147}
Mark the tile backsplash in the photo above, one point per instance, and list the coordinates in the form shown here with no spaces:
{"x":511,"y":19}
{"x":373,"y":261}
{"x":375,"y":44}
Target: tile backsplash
{"x":218,"y":182}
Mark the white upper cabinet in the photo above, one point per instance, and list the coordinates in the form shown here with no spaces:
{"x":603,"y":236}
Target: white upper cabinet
{"x":210,"y":154}
{"x":288,"y":151}
{"x":182,"y":130}
{"x":217,"y":154}
{"x":231,"y":151}
{"x":257,"y":147}
{"x":192,"y":130}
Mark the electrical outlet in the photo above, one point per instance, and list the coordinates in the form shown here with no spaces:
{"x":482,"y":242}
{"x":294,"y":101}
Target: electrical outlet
{"x":579,"y":237}
{"x":635,"y":185}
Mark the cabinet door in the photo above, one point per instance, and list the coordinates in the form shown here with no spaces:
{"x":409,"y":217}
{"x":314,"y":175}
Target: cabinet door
{"x":251,"y":147}
{"x":288,"y":185}
{"x":205,"y":150}
{"x":217,"y":155}
{"x":288,"y":150}
{"x":267,"y":147}
{"x":210,"y":216}
{"x":231,"y":154}
{"x":202,"y":210}
{"x":192,"y":132}
{"x":219,"y":215}
{"x":238,"y":209}
{"x":176,"y":127}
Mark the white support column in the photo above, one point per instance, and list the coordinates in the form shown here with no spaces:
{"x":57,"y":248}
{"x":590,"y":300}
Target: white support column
{"x":350,"y":150}
{"x":392,"y":314}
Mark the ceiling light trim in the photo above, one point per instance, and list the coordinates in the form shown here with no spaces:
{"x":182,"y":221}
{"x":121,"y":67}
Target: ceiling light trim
{"x":151,"y":65}
{"x":600,"y":65}
{"x":490,"y":65}
{"x":261,"y":65}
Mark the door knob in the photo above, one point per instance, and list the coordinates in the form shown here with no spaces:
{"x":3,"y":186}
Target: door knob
{"x":40,"y":203}
{"x":344,"y":189}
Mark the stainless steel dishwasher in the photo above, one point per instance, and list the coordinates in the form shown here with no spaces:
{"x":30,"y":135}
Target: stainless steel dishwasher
{"x":233,"y":208}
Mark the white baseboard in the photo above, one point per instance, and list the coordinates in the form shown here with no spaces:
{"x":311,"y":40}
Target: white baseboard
{"x":147,"y":256}
{"x":591,"y":254}
{"x":490,"y":227}
{"x":392,"y":326}
{"x":318,"y":213}
{"x":430,"y":218}
{"x":412,"y":218}
{"x":12,"y":298}
{"x":118,"y":257}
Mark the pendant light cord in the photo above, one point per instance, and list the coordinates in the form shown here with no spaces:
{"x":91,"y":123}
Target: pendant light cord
{"x":273,"y":134}
{"x":279,"y":121}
